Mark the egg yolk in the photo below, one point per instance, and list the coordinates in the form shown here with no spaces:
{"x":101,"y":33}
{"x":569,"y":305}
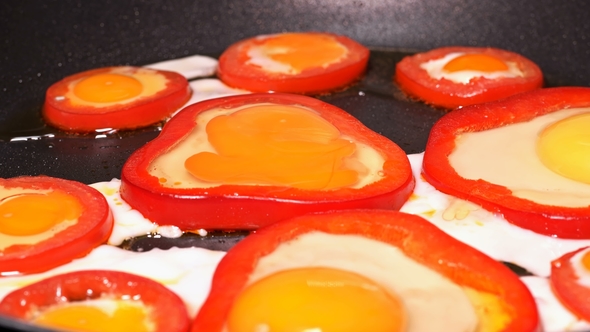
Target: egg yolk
{"x":107,"y":88}
{"x":586,"y":260}
{"x":85,"y":317}
{"x":304,"y":51}
{"x":564,"y":147}
{"x":477,"y":62}
{"x":276,"y":145}
{"x":316,"y":299}
{"x":33,"y":213}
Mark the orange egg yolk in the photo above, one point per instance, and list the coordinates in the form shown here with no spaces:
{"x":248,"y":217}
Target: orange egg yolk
{"x":33,"y":213}
{"x":275,"y":145}
{"x":586,"y":260}
{"x":304,"y":51}
{"x":316,"y":299}
{"x":107,"y":88}
{"x":564,"y":147}
{"x":477,"y":62}
{"x":85,"y":317}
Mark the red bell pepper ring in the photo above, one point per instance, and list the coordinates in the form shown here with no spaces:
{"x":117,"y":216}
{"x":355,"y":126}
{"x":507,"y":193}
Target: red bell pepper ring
{"x":417,"y":238}
{"x":92,"y":228}
{"x":253,"y":206}
{"x":167,"y":311}
{"x":234,"y":69}
{"x":60,"y":112}
{"x":566,"y":285}
{"x":564,"y":222}
{"x":416,"y":81}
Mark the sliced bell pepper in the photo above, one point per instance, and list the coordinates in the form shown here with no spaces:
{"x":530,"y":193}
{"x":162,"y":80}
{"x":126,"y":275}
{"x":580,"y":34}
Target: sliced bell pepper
{"x":239,"y":205}
{"x":417,"y":82}
{"x":154,"y":304}
{"x":552,"y":220}
{"x":46,"y":222}
{"x":566,"y":281}
{"x":414,"y":236}
{"x":114,"y":97}
{"x":307,"y":63}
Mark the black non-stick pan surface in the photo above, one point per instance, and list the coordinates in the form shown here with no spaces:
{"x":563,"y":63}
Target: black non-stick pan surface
{"x":44,"y":41}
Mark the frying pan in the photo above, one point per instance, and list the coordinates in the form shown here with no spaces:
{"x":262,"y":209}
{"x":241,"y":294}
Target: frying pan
{"x":44,"y":41}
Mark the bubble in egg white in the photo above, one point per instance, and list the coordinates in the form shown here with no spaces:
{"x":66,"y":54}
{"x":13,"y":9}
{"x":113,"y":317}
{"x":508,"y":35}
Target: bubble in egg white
{"x":485,"y":231}
{"x":434,"y":68}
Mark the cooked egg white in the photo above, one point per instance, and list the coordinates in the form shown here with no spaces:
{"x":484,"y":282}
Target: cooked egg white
{"x":435,"y":68}
{"x":190,"y":67}
{"x":581,"y":271}
{"x":485,"y":231}
{"x":128,"y":221}
{"x":554,"y":316}
{"x":465,"y":221}
{"x":210,"y":88}
{"x":196,"y":69}
{"x":186,"y":271}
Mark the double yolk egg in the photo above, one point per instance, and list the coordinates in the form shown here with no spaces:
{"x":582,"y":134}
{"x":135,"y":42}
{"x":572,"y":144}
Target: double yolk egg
{"x":267,"y":144}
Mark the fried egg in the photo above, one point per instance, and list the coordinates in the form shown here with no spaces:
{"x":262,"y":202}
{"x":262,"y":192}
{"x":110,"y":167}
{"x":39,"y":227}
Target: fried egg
{"x":421,"y":291}
{"x":291,"y":53}
{"x":324,"y":136}
{"x":531,"y":167}
{"x":460,"y":67}
{"x":119,"y":85}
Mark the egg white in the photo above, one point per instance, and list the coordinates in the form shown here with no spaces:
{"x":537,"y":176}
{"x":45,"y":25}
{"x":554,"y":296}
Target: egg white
{"x":581,"y":271}
{"x":188,"y":271}
{"x":185,"y":271}
{"x":197,"y":69}
{"x":481,"y":229}
{"x":435,"y":68}
{"x":190,"y":67}
{"x":484,"y":230}
{"x":554,"y":316}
